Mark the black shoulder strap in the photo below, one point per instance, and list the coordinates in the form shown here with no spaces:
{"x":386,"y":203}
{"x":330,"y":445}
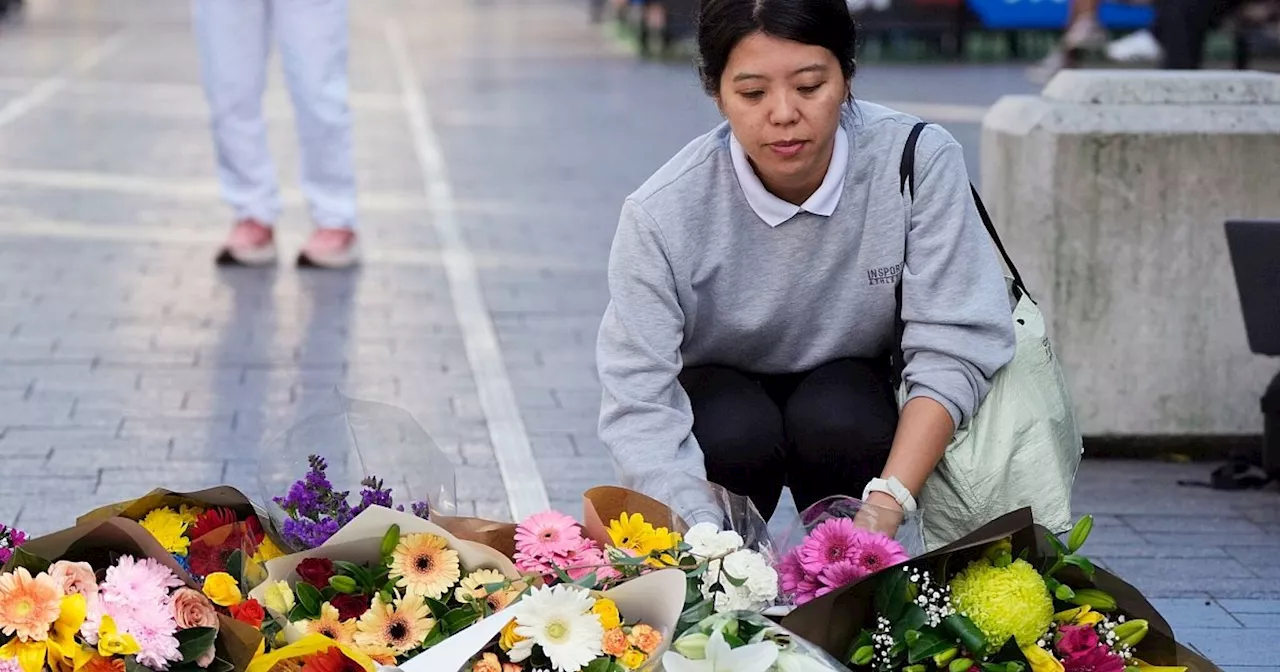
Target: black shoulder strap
{"x":907,"y":180}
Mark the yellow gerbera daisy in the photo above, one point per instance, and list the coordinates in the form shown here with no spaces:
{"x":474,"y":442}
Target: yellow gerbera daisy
{"x":400,"y":627}
{"x":331,"y":625}
{"x":631,"y":533}
{"x":426,"y":565}
{"x":169,"y":528}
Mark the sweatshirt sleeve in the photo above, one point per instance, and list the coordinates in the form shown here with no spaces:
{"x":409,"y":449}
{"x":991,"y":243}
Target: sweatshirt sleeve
{"x":955,"y":304}
{"x":646,"y":419}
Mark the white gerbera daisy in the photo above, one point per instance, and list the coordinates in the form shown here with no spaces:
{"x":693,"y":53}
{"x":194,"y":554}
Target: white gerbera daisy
{"x":559,"y":621}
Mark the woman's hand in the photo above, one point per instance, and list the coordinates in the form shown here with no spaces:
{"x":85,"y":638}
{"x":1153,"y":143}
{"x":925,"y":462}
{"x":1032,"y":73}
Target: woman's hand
{"x":880,"y":513}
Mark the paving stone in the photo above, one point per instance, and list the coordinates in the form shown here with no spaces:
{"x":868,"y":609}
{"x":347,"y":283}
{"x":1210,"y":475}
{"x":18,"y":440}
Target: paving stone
{"x":1232,"y":647}
{"x":1194,"y":613}
{"x":552,"y":445}
{"x":1251,"y":606}
{"x":1192,"y":524}
{"x":1263,"y":621}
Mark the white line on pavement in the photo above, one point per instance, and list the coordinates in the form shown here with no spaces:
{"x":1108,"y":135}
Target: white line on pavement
{"x":526,"y":492}
{"x":48,"y":88}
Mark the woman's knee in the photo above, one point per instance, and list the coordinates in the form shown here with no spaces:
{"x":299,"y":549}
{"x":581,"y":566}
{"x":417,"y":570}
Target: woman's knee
{"x":734,"y":421}
{"x":847,"y":405}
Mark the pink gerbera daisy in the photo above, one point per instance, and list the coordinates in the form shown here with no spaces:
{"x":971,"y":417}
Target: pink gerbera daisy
{"x":547,"y":533}
{"x":875,"y":551}
{"x":840,"y":574}
{"x":790,"y":572}
{"x":834,"y":540}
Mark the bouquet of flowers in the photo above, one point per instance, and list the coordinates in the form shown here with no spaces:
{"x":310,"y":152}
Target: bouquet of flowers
{"x":107,"y":596}
{"x":744,"y":641}
{"x":1012,"y":597}
{"x":722,"y":573}
{"x":387,"y":584}
{"x":569,"y":628}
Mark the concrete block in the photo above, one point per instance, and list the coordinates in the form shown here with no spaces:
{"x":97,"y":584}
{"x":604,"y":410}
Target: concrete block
{"x":1110,"y":190}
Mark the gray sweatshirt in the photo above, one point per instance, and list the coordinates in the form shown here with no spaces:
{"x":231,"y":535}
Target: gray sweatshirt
{"x":697,"y":277}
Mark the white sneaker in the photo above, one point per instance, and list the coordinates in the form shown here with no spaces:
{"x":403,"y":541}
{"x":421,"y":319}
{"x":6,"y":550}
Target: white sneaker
{"x":1136,"y":47}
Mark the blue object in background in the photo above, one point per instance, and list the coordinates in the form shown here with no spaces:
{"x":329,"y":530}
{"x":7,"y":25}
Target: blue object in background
{"x":1052,"y":14}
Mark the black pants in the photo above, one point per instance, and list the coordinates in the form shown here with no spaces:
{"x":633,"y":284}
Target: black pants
{"x":1182,"y":28}
{"x":825,"y":432}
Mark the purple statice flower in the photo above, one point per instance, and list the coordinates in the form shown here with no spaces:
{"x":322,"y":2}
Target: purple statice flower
{"x":309,"y":533}
{"x":316,"y":511}
{"x":419,"y":509}
{"x":373,"y":494}
{"x":422,"y":510}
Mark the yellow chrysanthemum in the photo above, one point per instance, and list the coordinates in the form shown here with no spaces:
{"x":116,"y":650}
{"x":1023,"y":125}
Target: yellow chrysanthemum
{"x":1005,"y":602}
{"x":169,"y":528}
{"x":631,"y":533}
{"x":189,"y":514}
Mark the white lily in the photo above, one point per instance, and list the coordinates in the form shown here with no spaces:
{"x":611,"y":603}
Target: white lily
{"x":720,"y":658}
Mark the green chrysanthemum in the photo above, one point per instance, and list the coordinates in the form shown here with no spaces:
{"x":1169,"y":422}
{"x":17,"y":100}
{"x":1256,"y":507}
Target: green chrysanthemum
{"x":1004,"y":602}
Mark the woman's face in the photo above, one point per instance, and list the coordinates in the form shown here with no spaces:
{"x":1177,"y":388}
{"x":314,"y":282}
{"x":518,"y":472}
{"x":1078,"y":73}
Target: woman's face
{"x":782,"y":100}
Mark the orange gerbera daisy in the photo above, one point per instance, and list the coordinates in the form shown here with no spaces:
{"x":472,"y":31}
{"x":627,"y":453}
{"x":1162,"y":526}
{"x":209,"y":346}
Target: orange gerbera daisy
{"x":29,"y":605}
{"x":331,"y":625}
{"x":400,"y":627}
{"x":426,"y":565}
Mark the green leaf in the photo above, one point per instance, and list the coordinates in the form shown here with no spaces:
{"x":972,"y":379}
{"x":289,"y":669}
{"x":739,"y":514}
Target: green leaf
{"x":195,"y":642}
{"x":602,"y":664}
{"x":967,"y":632}
{"x":1056,"y":543}
{"x":588,"y":581}
{"x":1081,"y":562}
{"x":891,"y":594}
{"x":436,"y":636}
{"x":131,"y":664}
{"x":235,"y":564}
{"x":459,"y":619}
{"x":914,"y":618}
{"x":438,"y":609}
{"x":24,"y":558}
{"x":298,"y":613}
{"x":863,"y":639}
{"x":309,"y":598}
{"x":1064,"y":592}
{"x":927,"y":644}
{"x":220,"y":665}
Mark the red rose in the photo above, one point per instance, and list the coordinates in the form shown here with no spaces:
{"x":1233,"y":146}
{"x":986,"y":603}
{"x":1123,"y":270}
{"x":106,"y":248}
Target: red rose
{"x":249,"y":612}
{"x":350,"y":606}
{"x":316,"y":571}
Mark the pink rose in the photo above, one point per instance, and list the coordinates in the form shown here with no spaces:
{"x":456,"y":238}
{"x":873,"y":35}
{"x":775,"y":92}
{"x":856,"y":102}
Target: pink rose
{"x":193,"y":610}
{"x":75,"y":577}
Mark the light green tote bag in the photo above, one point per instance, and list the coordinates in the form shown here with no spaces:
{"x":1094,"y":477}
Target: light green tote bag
{"x":1022,"y":447}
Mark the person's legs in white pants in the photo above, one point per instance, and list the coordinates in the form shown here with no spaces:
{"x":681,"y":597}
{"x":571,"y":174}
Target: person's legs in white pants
{"x":313,"y":39}
{"x":234,"y":41}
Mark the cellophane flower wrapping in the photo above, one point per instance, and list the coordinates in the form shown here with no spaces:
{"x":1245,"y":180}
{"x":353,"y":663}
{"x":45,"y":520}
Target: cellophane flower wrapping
{"x":745,"y":641}
{"x":349,"y":455}
{"x":728,"y":558}
{"x":842,"y":540}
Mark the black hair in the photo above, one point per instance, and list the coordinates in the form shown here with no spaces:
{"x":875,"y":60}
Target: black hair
{"x":724,"y":23}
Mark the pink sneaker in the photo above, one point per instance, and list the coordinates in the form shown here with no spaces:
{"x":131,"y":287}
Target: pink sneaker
{"x":330,"y":248}
{"x":251,"y":243}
